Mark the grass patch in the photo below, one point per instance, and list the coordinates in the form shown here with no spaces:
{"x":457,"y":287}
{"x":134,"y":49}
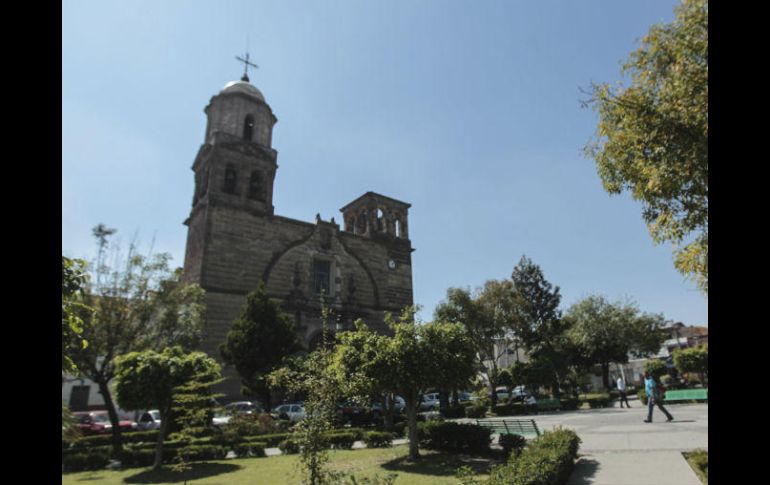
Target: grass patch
{"x":432,"y":468}
{"x":699,"y":461}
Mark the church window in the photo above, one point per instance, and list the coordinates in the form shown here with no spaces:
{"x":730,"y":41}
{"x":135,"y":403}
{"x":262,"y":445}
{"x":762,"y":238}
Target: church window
{"x":255,"y":186}
{"x":321,"y":276}
{"x":248,"y":128}
{"x":398,"y":228}
{"x":361,"y":223}
{"x":231,"y":177}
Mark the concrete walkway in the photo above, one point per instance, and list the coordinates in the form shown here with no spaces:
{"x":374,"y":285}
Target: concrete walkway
{"x":618,"y":448}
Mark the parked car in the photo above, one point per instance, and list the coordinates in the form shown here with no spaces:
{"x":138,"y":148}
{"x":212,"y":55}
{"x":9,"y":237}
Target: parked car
{"x":96,"y":422}
{"x":351,"y":412}
{"x":465,"y":396}
{"x":429,"y":402}
{"x":149,"y":420}
{"x":292,"y":412}
{"x":243,"y":407}
{"x":398,"y":405}
{"x":520,"y":393}
{"x":221,"y":418}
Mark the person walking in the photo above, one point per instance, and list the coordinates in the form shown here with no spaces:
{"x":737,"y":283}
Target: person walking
{"x":654,"y":398}
{"x":622,"y":392}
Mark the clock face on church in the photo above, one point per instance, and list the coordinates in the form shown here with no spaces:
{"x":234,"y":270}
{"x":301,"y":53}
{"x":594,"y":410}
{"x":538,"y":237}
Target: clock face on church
{"x":391,"y":264}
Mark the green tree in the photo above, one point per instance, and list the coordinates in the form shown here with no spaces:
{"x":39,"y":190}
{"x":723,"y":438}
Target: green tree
{"x":151,"y":379}
{"x":408,"y":362}
{"x":316,"y":378}
{"x":607,"y":332}
{"x":652,"y":137}
{"x":133,"y":302}
{"x":257,"y":342}
{"x":695,"y":359}
{"x":537,"y":320}
{"x":193,"y":409}
{"x":452,"y":344}
{"x":487,"y":320}
{"x":73,"y":278}
{"x":656,"y":368}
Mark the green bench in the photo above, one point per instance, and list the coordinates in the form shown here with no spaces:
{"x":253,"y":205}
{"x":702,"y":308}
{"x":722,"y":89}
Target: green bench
{"x":548,"y":404}
{"x":687,"y":395}
{"x":523,"y":427}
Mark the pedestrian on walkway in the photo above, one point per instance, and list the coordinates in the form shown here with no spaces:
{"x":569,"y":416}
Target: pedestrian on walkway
{"x":622,"y":392}
{"x":654,"y":398}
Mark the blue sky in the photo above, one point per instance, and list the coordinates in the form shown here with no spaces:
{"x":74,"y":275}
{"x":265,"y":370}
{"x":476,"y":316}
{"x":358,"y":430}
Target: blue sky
{"x":470,"y":111}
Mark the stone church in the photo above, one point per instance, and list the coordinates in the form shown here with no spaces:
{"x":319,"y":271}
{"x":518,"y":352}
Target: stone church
{"x":235,"y":239}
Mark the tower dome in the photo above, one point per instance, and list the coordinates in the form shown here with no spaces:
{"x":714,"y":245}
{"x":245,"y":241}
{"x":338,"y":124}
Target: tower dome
{"x":242,"y":87}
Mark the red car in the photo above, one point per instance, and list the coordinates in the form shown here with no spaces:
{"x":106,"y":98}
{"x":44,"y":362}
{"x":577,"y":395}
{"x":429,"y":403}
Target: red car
{"x":95,"y":422}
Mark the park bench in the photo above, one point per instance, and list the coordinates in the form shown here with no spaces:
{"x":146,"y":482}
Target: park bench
{"x":687,"y":395}
{"x":548,"y":404}
{"x":523,"y":427}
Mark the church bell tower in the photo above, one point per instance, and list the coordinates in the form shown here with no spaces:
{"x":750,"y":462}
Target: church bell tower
{"x":234,"y":169}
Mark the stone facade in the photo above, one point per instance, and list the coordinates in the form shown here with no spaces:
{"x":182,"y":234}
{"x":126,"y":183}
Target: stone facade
{"x":235,"y":240}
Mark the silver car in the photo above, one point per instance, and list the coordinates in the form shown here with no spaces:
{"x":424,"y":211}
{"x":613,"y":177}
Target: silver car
{"x":149,"y":420}
{"x":292,"y":412}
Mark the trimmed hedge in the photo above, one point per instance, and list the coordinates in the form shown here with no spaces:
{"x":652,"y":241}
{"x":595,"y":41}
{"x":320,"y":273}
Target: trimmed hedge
{"x":547,"y":460}
{"x":341,"y":441}
{"x":400,"y":429}
{"x":94,"y":459}
{"x":597,"y":400}
{"x":245,"y":450}
{"x":106,"y":439}
{"x":457,"y":437}
{"x":476,"y":411}
{"x":569,"y":404}
{"x":512,"y":442}
{"x":378,"y":439}
{"x":288,"y":447}
{"x":513,"y":409}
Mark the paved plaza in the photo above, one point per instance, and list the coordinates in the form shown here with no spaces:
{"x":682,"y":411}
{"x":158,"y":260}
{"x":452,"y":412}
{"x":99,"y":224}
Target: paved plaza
{"x":617,"y":448}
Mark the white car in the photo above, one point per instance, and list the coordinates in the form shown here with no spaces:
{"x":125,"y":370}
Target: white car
{"x":520,"y":392}
{"x":243,"y":407}
{"x":149,"y":420}
{"x":429,"y":401}
{"x":292,"y":412}
{"x":221,"y":418}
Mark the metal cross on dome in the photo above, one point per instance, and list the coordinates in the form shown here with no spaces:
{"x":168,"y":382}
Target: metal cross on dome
{"x":246,"y":65}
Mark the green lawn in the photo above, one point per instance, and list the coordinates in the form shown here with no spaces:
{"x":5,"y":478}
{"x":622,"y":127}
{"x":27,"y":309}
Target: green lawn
{"x":433,"y":468}
{"x":699,"y":461}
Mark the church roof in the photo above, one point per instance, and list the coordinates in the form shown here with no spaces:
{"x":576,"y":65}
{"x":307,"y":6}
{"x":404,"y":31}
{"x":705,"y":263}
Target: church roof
{"x":375,"y":196}
{"x":242,"y":87}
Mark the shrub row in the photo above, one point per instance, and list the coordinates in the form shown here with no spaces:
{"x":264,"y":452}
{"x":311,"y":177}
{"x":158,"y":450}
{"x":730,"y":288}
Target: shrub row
{"x":597,"y":400}
{"x":245,"y":450}
{"x":547,"y":460}
{"x":400,"y":429}
{"x":142,"y":456}
{"x":106,"y":439}
{"x":343,"y":440}
{"x":93,"y":459}
{"x":513,"y":409}
{"x":476,"y":411}
{"x":454,"y":412}
{"x":378,"y":439}
{"x":449,"y":436}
